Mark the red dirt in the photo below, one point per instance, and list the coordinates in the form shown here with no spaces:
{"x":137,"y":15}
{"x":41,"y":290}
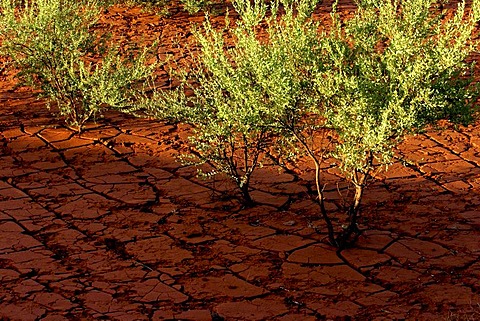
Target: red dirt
{"x":107,"y":225}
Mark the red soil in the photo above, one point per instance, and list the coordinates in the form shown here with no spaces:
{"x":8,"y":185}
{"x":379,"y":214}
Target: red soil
{"x":108,"y":225}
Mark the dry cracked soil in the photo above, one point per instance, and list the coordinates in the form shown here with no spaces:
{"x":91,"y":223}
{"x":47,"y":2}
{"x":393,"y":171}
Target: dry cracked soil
{"x":107,"y":225}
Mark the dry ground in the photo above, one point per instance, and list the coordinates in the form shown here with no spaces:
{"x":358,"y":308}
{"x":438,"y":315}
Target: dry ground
{"x":108,"y":225}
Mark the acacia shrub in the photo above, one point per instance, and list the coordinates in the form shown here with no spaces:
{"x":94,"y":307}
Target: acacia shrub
{"x":391,"y":70}
{"x":236,"y":87}
{"x":191,"y":6}
{"x":54,"y":47}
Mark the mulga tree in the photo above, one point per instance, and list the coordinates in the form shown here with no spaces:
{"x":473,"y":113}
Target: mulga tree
{"x":391,"y":70}
{"x":236,"y":88}
{"x":55,"y":48}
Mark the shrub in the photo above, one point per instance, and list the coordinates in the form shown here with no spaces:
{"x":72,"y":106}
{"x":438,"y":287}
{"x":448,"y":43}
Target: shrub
{"x":52,"y":44}
{"x":236,"y":89}
{"x":392,"y":69}
{"x":191,"y":6}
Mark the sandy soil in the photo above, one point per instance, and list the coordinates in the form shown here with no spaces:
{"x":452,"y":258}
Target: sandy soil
{"x":108,"y":225}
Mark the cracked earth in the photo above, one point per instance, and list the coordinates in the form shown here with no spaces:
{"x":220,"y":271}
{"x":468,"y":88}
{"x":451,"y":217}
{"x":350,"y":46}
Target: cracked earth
{"x":107,"y":225}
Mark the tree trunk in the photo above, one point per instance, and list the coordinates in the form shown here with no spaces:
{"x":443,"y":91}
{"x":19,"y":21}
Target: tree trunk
{"x":344,"y":239}
{"x":321,"y":202}
{"x":247,"y":198}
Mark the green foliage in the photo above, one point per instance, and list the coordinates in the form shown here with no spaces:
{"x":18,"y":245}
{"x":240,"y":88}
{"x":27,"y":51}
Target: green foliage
{"x":52,"y":43}
{"x":194,"y":6}
{"x":191,"y":6}
{"x":392,"y":69}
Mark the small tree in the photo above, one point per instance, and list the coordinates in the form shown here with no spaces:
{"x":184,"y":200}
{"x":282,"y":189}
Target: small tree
{"x":392,"y":69}
{"x":235,"y":89}
{"x":52,"y":44}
